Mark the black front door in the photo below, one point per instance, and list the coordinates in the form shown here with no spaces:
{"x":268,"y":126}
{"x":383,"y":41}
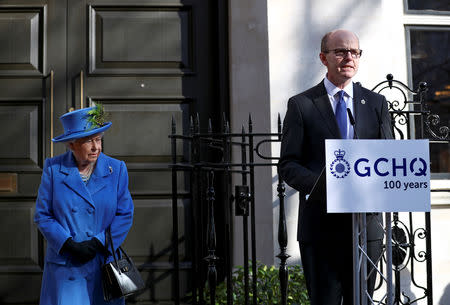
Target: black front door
{"x":146,"y":62}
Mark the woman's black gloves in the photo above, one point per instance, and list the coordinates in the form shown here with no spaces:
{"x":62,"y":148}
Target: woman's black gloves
{"x":83,"y":251}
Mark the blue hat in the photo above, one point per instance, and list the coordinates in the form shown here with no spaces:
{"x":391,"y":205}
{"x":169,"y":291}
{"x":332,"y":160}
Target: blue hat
{"x":79,"y":124}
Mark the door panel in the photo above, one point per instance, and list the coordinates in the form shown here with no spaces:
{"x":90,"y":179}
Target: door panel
{"x":21,"y":123}
{"x":20,"y":287}
{"x":21,"y":38}
{"x":20,"y":270}
{"x":151,"y":121}
{"x":23,"y":256}
{"x":23,"y":41}
{"x":139,"y":40}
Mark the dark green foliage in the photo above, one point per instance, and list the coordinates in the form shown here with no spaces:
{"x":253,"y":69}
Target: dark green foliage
{"x":97,"y":116}
{"x":268,"y":286}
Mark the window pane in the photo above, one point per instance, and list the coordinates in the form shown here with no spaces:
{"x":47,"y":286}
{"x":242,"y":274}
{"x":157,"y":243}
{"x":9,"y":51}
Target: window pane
{"x":435,"y":5}
{"x":430,"y":63}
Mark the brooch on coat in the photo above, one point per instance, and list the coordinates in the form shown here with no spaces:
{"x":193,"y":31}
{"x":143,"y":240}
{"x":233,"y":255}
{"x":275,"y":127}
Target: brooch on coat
{"x":110,"y":170}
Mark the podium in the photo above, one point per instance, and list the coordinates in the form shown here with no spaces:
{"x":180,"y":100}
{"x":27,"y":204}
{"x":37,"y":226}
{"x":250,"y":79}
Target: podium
{"x":373,"y":176}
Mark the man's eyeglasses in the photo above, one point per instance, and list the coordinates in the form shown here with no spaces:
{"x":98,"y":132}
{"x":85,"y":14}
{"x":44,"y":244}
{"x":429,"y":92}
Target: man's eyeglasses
{"x":341,"y":53}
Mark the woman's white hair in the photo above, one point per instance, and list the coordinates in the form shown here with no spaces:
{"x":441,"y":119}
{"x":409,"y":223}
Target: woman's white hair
{"x":67,"y":143}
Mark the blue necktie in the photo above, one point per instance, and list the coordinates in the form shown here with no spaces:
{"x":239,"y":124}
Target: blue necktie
{"x":341,"y":115}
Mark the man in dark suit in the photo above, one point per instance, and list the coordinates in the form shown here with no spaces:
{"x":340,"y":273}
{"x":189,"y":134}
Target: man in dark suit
{"x":312,"y":116}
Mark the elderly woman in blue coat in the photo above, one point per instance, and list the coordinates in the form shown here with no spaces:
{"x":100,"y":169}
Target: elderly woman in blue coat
{"x":82,"y":193}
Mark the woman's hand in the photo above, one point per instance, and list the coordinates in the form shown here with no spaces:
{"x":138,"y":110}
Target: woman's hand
{"x":83,"y":251}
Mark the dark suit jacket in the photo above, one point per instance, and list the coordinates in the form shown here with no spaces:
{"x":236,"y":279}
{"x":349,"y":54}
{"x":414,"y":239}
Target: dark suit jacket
{"x":308,"y":122}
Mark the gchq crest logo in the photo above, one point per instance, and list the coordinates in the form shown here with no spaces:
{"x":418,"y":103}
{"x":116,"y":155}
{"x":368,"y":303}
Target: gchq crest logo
{"x":340,"y":167}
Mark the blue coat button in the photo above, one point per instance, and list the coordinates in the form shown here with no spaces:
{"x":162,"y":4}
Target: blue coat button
{"x":90,"y":210}
{"x":74,"y":209}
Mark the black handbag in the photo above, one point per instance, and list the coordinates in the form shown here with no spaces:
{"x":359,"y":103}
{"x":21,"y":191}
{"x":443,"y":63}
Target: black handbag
{"x":120,"y":278}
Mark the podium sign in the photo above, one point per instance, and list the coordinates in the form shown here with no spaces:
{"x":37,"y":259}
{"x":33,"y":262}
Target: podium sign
{"x":377,"y":176}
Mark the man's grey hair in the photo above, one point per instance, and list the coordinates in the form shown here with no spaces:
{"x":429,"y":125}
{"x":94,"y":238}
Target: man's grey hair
{"x":324,"y":42}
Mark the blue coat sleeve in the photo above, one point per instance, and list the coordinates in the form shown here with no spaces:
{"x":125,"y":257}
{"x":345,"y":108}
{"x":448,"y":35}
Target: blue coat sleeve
{"x":123,"y":218}
{"x":44,"y":217}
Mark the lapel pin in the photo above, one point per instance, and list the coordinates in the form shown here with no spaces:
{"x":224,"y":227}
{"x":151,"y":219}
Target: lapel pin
{"x":110,"y":170}
{"x":363,"y":101}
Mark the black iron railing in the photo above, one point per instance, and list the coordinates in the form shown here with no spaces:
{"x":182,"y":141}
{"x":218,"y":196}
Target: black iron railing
{"x":411,"y":119}
{"x":209,"y":159}
{"x":205,"y":158}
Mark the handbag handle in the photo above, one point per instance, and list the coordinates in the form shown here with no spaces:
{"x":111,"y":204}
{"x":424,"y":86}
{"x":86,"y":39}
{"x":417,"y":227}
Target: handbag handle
{"x":109,"y":240}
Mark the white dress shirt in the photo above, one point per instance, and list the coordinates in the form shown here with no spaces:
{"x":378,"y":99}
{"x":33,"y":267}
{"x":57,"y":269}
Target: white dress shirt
{"x":333,"y":95}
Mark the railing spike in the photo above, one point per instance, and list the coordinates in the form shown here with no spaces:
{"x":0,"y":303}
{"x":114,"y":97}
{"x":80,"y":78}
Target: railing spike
{"x":224,"y":122}
{"x":191,"y":124}
{"x":197,"y":122}
{"x":209,"y":125}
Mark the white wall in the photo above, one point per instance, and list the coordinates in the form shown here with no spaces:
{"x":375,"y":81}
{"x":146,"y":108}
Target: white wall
{"x":249,"y":93}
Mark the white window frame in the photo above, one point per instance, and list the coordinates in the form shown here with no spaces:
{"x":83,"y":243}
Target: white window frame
{"x":423,"y":12}
{"x":415,"y":19}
